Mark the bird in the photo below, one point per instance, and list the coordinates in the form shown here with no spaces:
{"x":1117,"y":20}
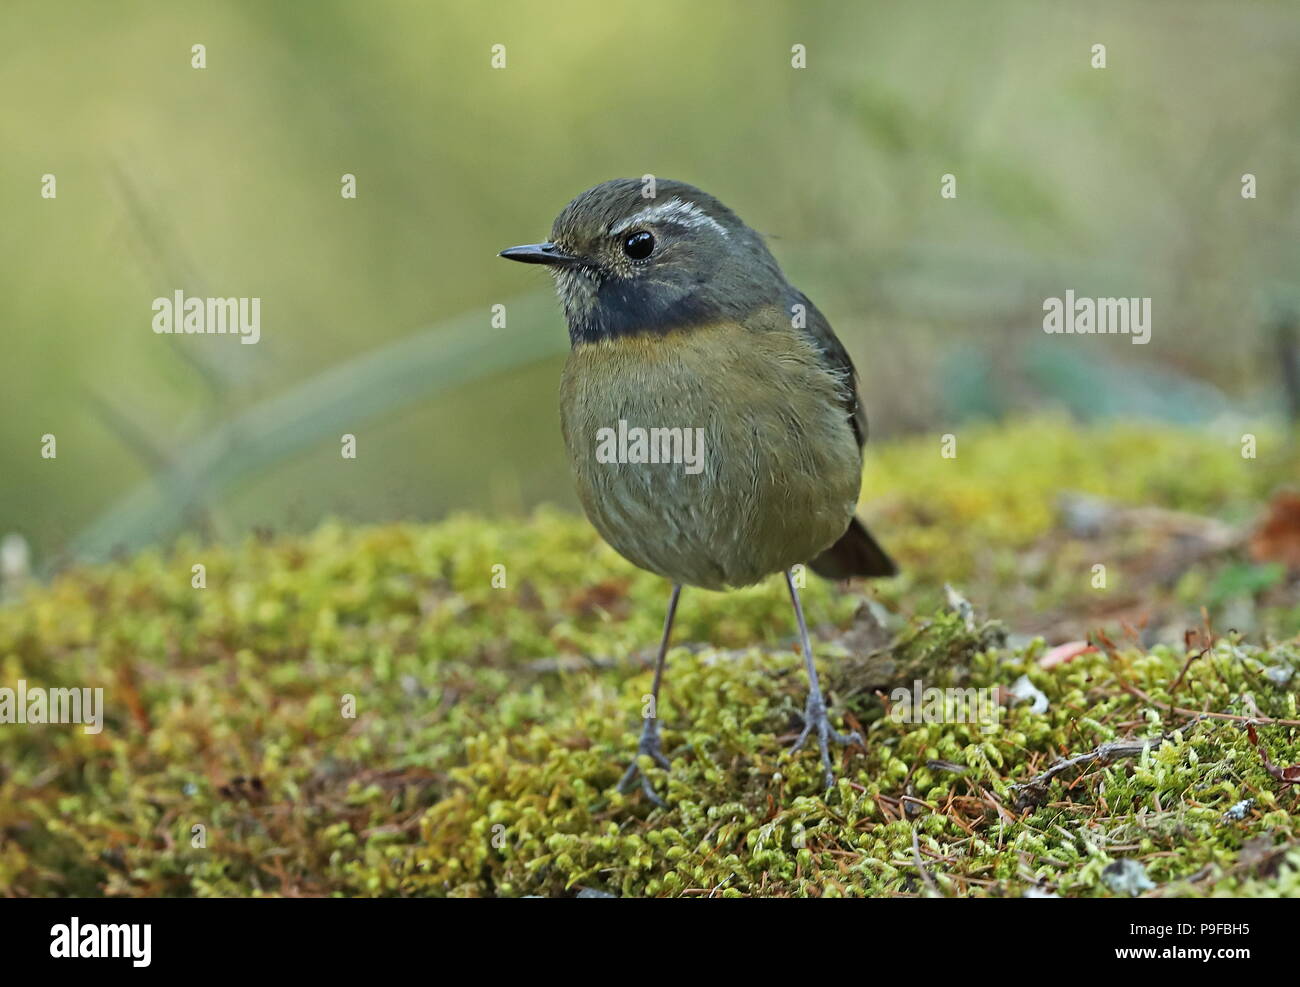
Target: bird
{"x":710,"y":414}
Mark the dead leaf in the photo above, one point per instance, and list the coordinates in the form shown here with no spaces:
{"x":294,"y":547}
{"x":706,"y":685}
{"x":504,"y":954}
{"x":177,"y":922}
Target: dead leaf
{"x":1260,"y":856}
{"x":1277,"y":538}
{"x":610,"y":595}
{"x":1289,"y":775}
{"x":866,"y":634}
{"x":1065,"y":652}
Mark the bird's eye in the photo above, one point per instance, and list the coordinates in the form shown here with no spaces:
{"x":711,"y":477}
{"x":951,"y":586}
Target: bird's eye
{"x":638,"y":245}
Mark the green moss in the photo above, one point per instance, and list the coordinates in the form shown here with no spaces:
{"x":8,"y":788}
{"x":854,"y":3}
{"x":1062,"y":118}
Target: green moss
{"x":492,"y":722}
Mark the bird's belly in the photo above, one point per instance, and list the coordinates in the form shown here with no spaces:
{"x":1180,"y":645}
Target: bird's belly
{"x":753,"y":467}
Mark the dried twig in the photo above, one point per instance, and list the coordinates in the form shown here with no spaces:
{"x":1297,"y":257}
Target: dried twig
{"x":1032,"y":792}
{"x":925,"y":874}
{"x":1137,"y":693}
{"x":1193,"y":637}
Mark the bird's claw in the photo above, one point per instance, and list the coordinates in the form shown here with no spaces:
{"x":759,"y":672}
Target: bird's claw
{"x":648,"y":745}
{"x":814,"y":718}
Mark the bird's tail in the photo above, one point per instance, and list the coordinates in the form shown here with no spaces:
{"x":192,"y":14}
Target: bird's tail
{"x":857,"y":553}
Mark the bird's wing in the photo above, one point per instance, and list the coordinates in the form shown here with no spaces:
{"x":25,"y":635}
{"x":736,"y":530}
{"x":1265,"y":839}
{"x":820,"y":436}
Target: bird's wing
{"x":836,"y":357}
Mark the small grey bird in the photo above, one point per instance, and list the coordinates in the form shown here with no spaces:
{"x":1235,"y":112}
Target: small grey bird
{"x":682,"y":322}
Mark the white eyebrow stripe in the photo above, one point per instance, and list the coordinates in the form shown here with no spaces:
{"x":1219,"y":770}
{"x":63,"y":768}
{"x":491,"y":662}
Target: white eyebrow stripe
{"x":673,"y":210}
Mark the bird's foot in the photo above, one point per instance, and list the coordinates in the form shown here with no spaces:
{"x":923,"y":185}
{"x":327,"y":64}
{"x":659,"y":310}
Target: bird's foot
{"x":815,"y":719}
{"x":648,"y":745}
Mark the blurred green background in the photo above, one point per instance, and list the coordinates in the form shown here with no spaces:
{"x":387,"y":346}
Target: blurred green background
{"x":376,"y":311}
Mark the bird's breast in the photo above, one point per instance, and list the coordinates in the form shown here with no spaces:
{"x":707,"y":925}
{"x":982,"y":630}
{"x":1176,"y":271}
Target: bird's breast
{"x":713,"y":456}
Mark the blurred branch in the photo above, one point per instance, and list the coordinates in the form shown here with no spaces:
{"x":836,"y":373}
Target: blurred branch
{"x":132,"y":435}
{"x":1288,"y":355}
{"x":342,"y":399}
{"x":162,"y":255}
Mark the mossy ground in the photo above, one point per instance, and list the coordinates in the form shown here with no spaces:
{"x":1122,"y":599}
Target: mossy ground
{"x":492,"y":722}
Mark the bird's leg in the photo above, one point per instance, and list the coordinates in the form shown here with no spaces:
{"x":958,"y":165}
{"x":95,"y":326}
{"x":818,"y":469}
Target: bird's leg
{"x":814,"y":715}
{"x":649,"y":743}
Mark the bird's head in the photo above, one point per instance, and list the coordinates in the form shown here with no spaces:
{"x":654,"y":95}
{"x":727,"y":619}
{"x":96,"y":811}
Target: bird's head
{"x":626,"y":264}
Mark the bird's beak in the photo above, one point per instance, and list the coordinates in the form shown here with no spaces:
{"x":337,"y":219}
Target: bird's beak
{"x":540,"y":253}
